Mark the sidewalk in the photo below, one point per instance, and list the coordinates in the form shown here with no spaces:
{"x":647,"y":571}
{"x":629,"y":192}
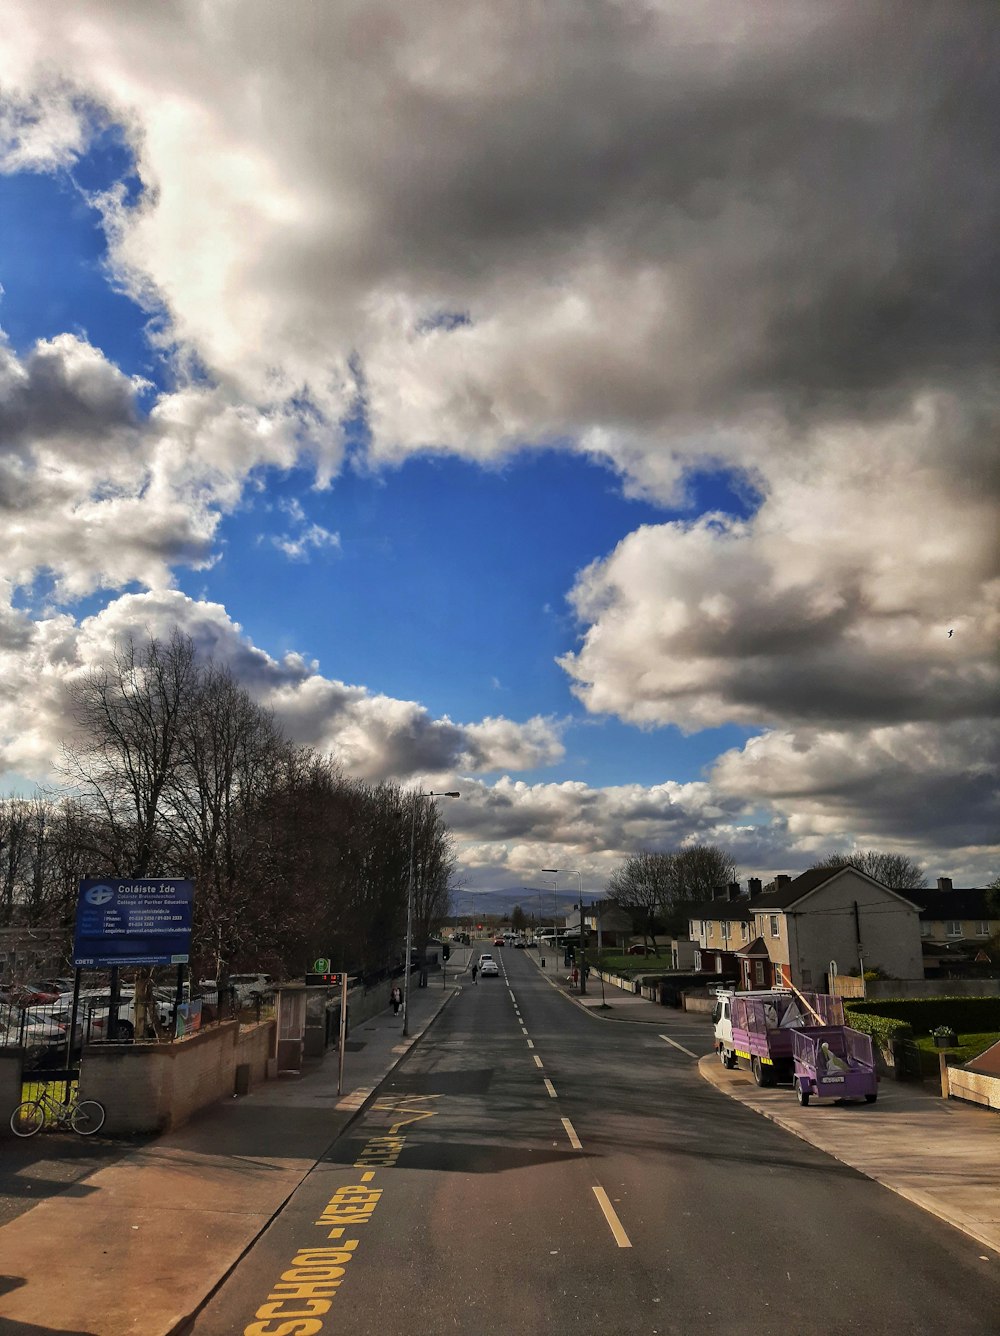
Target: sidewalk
{"x":139,"y":1245}
{"x":615,"y":1004}
{"x":942,"y":1155}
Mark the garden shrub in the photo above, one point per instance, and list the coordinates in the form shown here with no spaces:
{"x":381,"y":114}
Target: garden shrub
{"x":967,"y":1015}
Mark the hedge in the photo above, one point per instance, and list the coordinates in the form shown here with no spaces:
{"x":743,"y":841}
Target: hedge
{"x":883,"y":1029}
{"x":967,"y":1015}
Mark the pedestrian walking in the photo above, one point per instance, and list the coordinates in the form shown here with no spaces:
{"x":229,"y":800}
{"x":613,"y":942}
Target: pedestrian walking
{"x":475,"y":971}
{"x":396,"y":998}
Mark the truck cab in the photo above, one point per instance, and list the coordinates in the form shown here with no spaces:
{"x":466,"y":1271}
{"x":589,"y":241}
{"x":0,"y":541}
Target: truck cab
{"x":722,"y":1018}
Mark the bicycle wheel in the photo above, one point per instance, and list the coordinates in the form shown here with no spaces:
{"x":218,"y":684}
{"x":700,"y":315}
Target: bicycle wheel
{"x":28,"y":1118}
{"x":87,"y":1117}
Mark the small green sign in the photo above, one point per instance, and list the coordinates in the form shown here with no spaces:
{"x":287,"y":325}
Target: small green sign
{"x":322,"y":965}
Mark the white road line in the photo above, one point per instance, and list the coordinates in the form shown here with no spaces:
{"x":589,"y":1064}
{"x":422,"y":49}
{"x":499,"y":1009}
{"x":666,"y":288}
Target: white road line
{"x":668,"y":1040}
{"x":530,"y":1044}
{"x":574,"y":1140}
{"x":611,"y":1216}
{"x":538,"y":1061}
{"x":550,"y":1088}
{"x":524,"y":1029}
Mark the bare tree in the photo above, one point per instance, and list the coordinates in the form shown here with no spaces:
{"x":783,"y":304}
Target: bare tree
{"x":659,"y":887}
{"x":128,"y":717}
{"x":893,"y":870}
{"x":640,"y":887}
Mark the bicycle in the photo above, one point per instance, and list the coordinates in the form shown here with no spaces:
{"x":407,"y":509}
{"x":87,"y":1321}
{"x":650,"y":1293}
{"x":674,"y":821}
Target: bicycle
{"x":85,"y":1116}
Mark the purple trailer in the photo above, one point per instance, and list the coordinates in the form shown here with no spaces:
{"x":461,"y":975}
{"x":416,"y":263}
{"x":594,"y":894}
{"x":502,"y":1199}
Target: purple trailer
{"x":763,"y":1028}
{"x":835,"y":1062}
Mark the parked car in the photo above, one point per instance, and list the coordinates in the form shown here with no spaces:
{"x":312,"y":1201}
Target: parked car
{"x":250,"y":987}
{"x":519,"y":946}
{"x":488,"y":968}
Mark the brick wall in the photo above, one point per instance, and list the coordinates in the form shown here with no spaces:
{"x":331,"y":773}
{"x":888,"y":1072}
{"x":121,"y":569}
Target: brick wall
{"x":10,"y":1086}
{"x":152,"y":1088}
{"x":975,"y":1087}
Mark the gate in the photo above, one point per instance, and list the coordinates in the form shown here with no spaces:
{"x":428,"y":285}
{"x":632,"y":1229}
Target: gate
{"x":906,"y":1056}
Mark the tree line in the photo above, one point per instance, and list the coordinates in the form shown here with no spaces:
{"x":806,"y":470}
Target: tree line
{"x":173,"y":770}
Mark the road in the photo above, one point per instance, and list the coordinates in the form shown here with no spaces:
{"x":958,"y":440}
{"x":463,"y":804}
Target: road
{"x":532,"y":1169}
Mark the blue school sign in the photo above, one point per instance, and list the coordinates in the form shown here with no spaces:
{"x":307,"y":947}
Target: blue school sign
{"x":120,"y":921}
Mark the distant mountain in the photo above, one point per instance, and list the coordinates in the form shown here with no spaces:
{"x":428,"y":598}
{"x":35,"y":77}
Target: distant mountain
{"x":535,"y":904}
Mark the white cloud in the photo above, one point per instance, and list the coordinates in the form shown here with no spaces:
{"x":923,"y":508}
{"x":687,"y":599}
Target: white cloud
{"x":371,"y":736}
{"x":676,"y":237}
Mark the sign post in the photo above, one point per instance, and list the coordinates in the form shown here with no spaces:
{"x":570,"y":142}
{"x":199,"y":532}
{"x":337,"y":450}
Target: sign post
{"x":343,"y":1031}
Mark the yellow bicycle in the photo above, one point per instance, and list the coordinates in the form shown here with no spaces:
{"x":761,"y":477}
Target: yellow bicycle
{"x":85,"y":1116}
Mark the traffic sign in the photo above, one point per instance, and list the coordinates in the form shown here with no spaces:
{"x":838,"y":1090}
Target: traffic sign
{"x":138,"y":921}
{"x":322,"y":965}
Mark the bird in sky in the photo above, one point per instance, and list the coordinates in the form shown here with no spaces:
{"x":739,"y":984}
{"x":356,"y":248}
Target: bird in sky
{"x":950,"y":634}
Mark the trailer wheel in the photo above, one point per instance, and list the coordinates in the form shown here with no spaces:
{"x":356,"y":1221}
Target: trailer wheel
{"x":870,"y":1099}
{"x":803,"y":1097}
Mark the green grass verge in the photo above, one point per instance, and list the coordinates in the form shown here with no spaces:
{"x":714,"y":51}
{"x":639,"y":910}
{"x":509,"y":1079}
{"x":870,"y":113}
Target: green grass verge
{"x":630,"y":964}
{"x":969,"y":1046}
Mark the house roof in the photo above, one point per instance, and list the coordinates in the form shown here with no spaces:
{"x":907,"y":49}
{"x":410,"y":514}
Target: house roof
{"x":757,"y":950}
{"x":784,"y":897}
{"x":969,"y":903}
{"x":723,"y":908}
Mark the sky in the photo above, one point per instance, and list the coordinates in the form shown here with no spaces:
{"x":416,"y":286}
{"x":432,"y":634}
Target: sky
{"x":589,"y":408}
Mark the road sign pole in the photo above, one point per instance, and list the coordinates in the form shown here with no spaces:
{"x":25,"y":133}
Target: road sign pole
{"x":343,"y":1032}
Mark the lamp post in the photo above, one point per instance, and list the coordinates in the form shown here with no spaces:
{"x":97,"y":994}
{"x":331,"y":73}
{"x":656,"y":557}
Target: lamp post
{"x":409,"y":906}
{"x":572,"y":872}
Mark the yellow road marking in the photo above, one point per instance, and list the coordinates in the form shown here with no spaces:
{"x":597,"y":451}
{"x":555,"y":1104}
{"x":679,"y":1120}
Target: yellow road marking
{"x":550,"y":1087}
{"x":610,"y":1215}
{"x":668,"y":1040}
{"x":574,"y":1140}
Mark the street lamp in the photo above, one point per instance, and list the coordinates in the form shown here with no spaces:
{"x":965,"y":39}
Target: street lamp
{"x":409,"y":906}
{"x":572,"y":872}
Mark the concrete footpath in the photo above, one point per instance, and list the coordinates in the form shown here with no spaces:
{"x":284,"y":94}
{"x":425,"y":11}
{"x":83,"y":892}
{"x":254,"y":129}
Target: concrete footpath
{"x":941,"y":1154}
{"x":139,"y":1245}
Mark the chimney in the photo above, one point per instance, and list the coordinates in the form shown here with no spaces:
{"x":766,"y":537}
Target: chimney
{"x":782,"y":879}
{"x":944,"y":884}
{"x":734,"y":890}
{"x":753,"y":886}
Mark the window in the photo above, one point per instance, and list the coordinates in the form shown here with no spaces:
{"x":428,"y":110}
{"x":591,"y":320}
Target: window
{"x":953,"y":928}
{"x":743,"y":931}
{"x":983,"y":928}
{"x":693,"y":933}
{"x":725,"y":931}
{"x":701,"y":927}
{"x":775,"y":931}
{"x":925,"y":930}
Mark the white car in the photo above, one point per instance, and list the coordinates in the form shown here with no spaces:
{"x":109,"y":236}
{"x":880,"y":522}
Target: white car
{"x":488,"y":968}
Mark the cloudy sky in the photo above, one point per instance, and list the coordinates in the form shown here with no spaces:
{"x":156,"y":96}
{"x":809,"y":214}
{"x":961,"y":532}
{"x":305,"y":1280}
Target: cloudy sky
{"x":592,"y":407}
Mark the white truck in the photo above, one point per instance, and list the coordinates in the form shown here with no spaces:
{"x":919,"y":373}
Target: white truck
{"x":722,"y":1015}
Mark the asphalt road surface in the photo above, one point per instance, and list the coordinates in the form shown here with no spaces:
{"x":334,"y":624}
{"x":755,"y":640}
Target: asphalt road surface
{"x":532,"y":1169}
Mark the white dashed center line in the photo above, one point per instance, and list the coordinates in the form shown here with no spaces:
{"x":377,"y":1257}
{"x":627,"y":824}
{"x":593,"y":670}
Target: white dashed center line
{"x":550,"y":1088}
{"x":574,"y":1140}
{"x":610,"y":1214}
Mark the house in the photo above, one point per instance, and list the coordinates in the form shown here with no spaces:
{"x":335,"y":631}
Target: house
{"x":957,"y":926}
{"x":792,"y":932}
